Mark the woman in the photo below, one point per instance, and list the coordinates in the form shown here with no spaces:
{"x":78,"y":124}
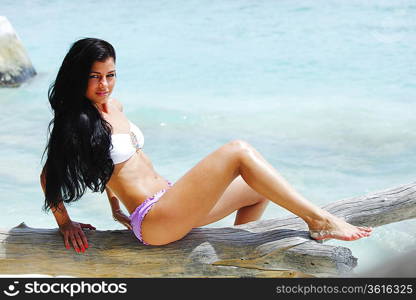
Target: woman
{"x":93,"y":145}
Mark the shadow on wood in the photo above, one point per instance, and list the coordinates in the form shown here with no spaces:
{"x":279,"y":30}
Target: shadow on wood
{"x":265,"y":248}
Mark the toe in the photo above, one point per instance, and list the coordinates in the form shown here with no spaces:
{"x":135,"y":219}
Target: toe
{"x":364,"y":234}
{"x":349,"y":238}
{"x":364,"y":229}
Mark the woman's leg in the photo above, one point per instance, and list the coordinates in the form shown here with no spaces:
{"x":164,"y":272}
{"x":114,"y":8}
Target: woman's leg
{"x":196,"y":193}
{"x":240,"y":197}
{"x":251,"y":213}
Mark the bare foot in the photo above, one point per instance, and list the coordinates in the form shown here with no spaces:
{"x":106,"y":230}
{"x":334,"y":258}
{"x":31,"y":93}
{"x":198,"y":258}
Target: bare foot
{"x":333,"y":227}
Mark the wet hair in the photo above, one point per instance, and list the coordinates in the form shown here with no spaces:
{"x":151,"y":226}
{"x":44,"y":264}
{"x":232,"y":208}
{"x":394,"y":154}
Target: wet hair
{"x":78,"y":146}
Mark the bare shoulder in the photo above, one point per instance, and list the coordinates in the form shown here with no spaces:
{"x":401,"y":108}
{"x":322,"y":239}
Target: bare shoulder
{"x":117,"y":104}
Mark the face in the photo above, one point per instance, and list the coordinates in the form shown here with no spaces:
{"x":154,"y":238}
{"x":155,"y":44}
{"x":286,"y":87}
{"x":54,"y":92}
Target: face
{"x":101,"y":81}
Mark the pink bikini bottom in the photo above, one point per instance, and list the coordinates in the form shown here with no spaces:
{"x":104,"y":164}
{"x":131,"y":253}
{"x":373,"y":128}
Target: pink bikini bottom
{"x":136,"y":218}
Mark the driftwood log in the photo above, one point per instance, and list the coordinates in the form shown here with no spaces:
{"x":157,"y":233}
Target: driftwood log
{"x":265,"y":248}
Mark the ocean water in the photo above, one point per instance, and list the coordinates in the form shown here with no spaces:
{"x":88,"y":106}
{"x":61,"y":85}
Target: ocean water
{"x":325,"y":90}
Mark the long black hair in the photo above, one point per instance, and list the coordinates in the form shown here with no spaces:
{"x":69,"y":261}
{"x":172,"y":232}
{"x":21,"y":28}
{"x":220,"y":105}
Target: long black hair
{"x":78,"y":147}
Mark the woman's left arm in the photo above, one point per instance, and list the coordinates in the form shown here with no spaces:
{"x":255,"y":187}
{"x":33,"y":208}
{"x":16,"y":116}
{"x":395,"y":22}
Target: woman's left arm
{"x":118,"y":214}
{"x":115,"y":205}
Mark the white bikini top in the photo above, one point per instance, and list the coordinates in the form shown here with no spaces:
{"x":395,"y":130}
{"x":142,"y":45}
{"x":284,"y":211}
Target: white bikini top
{"x":126,"y":144}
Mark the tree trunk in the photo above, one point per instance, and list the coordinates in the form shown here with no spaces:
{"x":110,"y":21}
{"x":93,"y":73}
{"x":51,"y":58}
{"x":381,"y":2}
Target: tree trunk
{"x":265,"y":248}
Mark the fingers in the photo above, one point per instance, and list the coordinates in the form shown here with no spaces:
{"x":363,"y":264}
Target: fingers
{"x":66,"y":242}
{"x":84,"y":241}
{"x":74,"y":242}
{"x":73,"y":234}
{"x":89,"y":226}
{"x":128,"y":226}
{"x":77,"y":243}
{"x":126,"y":222}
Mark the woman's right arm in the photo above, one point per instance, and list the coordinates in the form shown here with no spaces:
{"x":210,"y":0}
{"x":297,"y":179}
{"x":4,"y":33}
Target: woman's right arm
{"x":71,"y":231}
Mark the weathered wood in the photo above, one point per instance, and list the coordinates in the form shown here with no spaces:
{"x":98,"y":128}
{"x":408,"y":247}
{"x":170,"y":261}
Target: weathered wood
{"x":265,"y":248}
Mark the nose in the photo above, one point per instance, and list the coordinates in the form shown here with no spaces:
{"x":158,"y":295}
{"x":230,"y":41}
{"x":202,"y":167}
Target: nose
{"x":103,"y":82}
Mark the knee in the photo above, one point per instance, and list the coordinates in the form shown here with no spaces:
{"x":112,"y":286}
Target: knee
{"x":263,"y":201}
{"x":236,"y":152}
{"x":240,"y":148}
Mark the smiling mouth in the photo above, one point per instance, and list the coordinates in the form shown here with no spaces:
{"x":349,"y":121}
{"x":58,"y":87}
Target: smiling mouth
{"x":101,"y":93}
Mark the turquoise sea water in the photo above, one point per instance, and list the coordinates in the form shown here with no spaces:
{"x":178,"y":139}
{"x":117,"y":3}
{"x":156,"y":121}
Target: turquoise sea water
{"x":325,"y":90}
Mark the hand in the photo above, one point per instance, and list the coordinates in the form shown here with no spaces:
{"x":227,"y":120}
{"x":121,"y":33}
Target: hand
{"x":72,"y":231}
{"x":119,"y":216}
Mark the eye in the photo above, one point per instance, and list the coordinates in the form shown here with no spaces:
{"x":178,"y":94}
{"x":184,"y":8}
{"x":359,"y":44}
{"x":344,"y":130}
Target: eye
{"x":93,"y":76}
{"x":111,"y":75}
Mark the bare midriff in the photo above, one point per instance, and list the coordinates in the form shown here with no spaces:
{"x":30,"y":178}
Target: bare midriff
{"x":134,"y":180}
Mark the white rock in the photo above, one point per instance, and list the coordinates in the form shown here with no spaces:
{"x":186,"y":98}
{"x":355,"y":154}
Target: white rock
{"x":15,"y":65}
